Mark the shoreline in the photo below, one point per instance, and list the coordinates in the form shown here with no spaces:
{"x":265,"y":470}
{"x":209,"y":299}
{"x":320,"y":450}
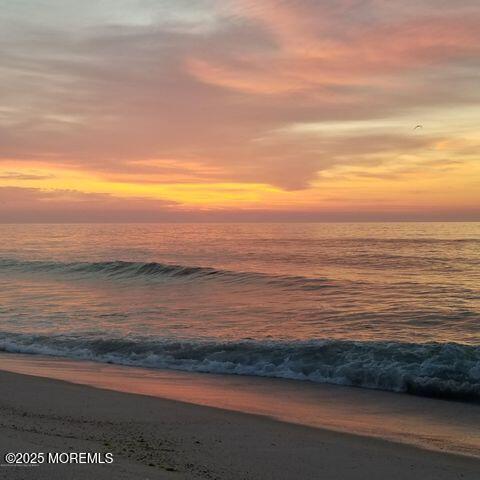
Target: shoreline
{"x":155,"y":437}
{"x":426,"y":423}
{"x":160,"y":438}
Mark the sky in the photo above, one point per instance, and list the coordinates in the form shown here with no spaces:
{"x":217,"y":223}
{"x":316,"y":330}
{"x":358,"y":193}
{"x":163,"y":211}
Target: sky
{"x":239,"y":110}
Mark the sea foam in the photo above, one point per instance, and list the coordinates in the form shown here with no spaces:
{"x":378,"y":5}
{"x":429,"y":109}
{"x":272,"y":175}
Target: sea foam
{"x":447,"y":370}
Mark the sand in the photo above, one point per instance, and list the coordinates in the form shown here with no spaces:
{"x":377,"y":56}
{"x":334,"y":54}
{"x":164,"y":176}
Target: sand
{"x":154,"y":438}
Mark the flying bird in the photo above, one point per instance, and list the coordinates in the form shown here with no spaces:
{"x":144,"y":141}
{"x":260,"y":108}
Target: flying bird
{"x":418,"y":126}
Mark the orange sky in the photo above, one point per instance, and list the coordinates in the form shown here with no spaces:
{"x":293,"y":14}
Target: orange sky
{"x":133,"y":110}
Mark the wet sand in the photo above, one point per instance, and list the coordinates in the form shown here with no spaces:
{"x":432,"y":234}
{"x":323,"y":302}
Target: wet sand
{"x":429,"y":423}
{"x":159,"y":438}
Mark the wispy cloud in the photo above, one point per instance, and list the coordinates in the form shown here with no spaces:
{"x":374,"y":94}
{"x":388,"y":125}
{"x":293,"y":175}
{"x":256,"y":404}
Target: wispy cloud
{"x":23,"y":176}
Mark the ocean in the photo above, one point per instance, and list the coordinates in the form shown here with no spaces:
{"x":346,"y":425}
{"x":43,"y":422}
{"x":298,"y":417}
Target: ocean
{"x":388,"y":306}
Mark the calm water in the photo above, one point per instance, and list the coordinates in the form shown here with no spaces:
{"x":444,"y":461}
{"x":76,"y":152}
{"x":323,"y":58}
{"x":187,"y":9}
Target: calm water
{"x":390,"y":306}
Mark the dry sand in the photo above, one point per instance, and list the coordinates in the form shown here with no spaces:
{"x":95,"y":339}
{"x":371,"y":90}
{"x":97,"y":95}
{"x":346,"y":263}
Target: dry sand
{"x":153,"y":438}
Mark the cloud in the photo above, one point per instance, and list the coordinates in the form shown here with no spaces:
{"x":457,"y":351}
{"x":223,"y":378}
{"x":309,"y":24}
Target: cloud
{"x":37,"y":205}
{"x":318,"y":47}
{"x":23,"y":176}
{"x":29,"y":205}
{"x":207,"y":91}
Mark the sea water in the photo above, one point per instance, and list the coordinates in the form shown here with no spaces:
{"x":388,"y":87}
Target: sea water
{"x":390,"y":306}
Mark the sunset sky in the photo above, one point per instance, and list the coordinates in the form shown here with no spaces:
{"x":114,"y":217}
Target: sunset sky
{"x":144,"y":110}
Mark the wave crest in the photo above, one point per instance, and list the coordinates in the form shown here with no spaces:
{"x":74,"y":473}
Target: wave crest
{"x":118,"y":269}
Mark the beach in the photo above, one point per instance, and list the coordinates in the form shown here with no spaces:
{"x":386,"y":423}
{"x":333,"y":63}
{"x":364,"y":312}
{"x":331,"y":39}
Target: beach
{"x":268,"y":351}
{"x":152,"y":437}
{"x":240,"y":240}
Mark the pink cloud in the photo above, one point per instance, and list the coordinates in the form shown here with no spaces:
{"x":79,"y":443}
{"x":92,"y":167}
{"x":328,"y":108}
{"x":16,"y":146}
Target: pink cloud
{"x":316,"y":46}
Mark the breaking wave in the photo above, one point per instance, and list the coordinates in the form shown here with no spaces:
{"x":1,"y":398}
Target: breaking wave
{"x":158,"y":271}
{"x":450,"y":370}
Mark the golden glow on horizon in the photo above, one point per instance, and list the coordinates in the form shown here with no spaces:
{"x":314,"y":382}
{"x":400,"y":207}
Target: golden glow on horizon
{"x":207,"y":195}
{"x":405,"y":181}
